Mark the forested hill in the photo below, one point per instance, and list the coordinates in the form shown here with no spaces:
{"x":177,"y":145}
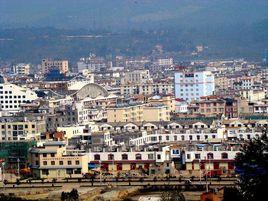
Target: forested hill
{"x":33,"y":29}
{"x":129,"y":14}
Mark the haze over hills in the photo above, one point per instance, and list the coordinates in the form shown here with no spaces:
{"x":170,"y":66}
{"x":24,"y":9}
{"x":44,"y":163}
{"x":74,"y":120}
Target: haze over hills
{"x":230,"y":28}
{"x":129,"y":14}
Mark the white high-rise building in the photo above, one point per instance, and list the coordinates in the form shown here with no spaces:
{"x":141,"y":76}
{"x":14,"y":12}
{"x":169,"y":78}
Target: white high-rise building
{"x":21,"y":69}
{"x":12,"y":96}
{"x":193,"y":85}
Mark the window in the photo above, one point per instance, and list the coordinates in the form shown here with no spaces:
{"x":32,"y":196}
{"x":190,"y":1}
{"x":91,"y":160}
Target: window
{"x":96,"y":157}
{"x":45,"y":172}
{"x":52,"y":155}
{"x":188,"y":156}
{"x":210,"y":155}
{"x":69,"y":171}
{"x":224,"y":156}
{"x":61,"y":162}
{"x":52,"y":162}
{"x":158,"y":156}
{"x":150,"y":156}
{"x":44,"y":155}
{"x":44,"y":162}
{"x":69,"y":162}
{"x":110,"y":157}
{"x":138,"y":156}
{"x":197,"y":156}
{"x":124,"y":156}
{"x":77,"y":162}
{"x":77,"y":171}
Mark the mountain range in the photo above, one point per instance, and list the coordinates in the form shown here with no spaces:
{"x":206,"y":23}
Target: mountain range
{"x":230,"y":28}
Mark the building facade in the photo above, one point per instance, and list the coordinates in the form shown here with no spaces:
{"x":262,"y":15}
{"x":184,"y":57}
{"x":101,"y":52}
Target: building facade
{"x":48,"y":65}
{"x":193,"y":85}
{"x":21,"y":69}
{"x":12,"y":96}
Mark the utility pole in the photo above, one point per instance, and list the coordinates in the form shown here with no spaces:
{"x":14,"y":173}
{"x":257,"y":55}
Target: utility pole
{"x":100,"y":170}
{"x":18,"y":161}
{"x":206,"y":177}
{"x":200,"y":171}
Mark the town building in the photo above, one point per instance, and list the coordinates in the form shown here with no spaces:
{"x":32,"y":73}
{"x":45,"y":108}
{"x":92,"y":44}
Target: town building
{"x":53,"y":161}
{"x":12,"y":96}
{"x":136,"y":77}
{"x":193,"y":85}
{"x":20,"y":129}
{"x":160,"y":88}
{"x":137,"y":113}
{"x":48,"y":65}
{"x":21,"y":69}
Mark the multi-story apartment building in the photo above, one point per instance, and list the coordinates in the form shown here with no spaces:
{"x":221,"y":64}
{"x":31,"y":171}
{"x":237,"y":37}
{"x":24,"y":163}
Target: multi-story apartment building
{"x":252,"y":95}
{"x":157,"y":113}
{"x":14,"y":129}
{"x":136,"y":77}
{"x":125,"y":113}
{"x":222,"y":82}
{"x":61,"y":65}
{"x":53,"y":161}
{"x":164,"y":62}
{"x":165,"y":100}
{"x":193,"y":85}
{"x":21,"y":69}
{"x":147,"y":89}
{"x":12,"y":96}
{"x":211,"y":106}
{"x":61,"y":117}
{"x":138,"y":113}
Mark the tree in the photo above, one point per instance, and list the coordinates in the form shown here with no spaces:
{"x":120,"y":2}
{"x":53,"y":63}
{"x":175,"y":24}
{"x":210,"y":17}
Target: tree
{"x":175,"y":195}
{"x":70,"y":196}
{"x":232,"y":194}
{"x":252,"y":166}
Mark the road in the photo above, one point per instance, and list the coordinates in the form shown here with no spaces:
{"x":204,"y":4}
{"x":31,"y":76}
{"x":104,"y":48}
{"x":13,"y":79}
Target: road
{"x":124,"y":182}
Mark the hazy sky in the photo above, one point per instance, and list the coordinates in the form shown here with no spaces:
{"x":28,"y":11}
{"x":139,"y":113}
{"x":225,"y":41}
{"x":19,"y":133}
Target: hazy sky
{"x":129,"y":13}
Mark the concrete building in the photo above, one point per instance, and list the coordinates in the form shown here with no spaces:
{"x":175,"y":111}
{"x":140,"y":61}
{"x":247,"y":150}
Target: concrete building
{"x":136,"y":77}
{"x":13,"y":129}
{"x":71,"y":131}
{"x":193,"y":85}
{"x":130,"y":161}
{"x":147,"y":89}
{"x":138,"y":113}
{"x":12,"y":96}
{"x":164,"y":62}
{"x":53,"y":161}
{"x":21,"y":69}
{"x":61,"y":65}
{"x":125,"y":113}
{"x":211,"y":106}
{"x":253,"y":95}
{"x":157,"y":113}
{"x":210,"y":160}
{"x":169,"y":101}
